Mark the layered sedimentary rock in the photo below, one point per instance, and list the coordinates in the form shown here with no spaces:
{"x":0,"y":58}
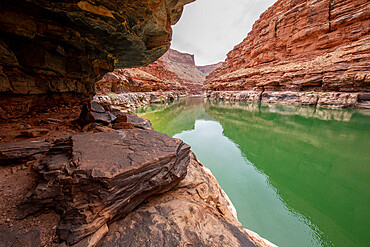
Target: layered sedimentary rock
{"x":172,"y":219}
{"x":178,"y":67}
{"x":91,"y":179}
{"x":301,"y":45}
{"x":135,"y":80}
{"x":57,"y":50}
{"x":174,"y":71}
{"x":127,"y":102}
{"x":320,"y":99}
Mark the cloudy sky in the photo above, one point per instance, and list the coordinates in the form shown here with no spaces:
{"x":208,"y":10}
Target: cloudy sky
{"x":211,"y":28}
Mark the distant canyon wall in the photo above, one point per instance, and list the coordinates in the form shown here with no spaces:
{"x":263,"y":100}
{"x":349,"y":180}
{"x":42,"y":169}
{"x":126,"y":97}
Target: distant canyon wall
{"x":174,"y":71}
{"x":301,"y":45}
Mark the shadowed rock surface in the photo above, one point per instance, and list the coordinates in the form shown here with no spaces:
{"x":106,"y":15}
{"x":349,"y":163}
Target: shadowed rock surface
{"x":91,"y":179}
{"x":56,"y":50}
{"x":22,"y":151}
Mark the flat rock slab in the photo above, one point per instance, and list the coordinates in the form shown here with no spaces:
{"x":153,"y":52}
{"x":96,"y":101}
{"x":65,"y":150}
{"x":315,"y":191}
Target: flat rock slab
{"x":194,"y":213}
{"x":132,"y":119}
{"x":92,"y":179}
{"x":21,"y":151}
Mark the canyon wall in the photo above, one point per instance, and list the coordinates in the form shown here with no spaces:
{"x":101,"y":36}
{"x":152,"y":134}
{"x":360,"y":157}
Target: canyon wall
{"x":136,"y":80}
{"x":301,"y":45}
{"x":207,"y":69}
{"x":56,"y":51}
{"x":174,"y":71}
{"x":73,"y":175}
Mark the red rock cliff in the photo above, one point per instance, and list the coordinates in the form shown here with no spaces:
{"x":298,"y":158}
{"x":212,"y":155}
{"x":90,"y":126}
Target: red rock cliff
{"x":178,"y":67}
{"x":174,"y":71}
{"x":302,"y":45}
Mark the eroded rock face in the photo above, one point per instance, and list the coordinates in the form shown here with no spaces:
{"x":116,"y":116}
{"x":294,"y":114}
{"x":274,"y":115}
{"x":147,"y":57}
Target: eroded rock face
{"x":127,"y":102}
{"x":207,"y":69}
{"x":174,"y":71}
{"x":302,"y":46}
{"x":61,"y":47}
{"x":90,"y":179}
{"x":178,"y":67}
{"x":320,"y":99}
{"x":135,"y":80}
{"x":173,"y":219}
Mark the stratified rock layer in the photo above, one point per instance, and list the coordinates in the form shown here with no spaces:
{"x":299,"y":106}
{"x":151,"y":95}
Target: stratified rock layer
{"x":86,"y":193}
{"x":320,"y":99}
{"x":178,"y":67}
{"x":302,"y":45}
{"x":48,"y":48}
{"x":127,"y":102}
{"x":174,"y":71}
{"x":91,"y":179}
{"x":136,"y":80}
{"x":194,"y":213}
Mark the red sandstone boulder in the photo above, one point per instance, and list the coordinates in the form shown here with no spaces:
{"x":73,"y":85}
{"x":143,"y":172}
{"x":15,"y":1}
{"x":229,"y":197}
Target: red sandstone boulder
{"x":91,"y":179}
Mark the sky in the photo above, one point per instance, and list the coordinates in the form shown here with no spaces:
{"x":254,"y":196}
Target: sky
{"x":209,"y":29}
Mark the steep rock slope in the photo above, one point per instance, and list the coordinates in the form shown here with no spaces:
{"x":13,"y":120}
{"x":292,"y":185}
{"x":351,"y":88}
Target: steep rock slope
{"x":207,"y":69}
{"x":60,"y":186}
{"x":57,"y":50}
{"x":301,"y":45}
{"x":136,"y":80}
{"x":174,"y":71}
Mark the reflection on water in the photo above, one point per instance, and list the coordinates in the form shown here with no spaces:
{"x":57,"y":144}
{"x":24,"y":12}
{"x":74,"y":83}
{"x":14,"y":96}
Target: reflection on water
{"x":297,"y":175}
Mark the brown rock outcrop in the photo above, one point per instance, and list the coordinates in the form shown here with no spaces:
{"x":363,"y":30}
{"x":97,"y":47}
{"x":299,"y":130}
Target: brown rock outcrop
{"x":167,"y":219}
{"x":91,"y":179}
{"x":49,"y":49}
{"x":127,"y":102}
{"x":135,"y":80}
{"x":172,"y":219}
{"x":302,"y":45}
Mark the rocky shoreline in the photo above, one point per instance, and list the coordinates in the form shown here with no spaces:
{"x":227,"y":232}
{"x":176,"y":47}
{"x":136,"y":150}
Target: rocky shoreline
{"x":116,"y":182}
{"x":317,"y":99}
{"x":127,"y":102}
{"x":302,"y":52}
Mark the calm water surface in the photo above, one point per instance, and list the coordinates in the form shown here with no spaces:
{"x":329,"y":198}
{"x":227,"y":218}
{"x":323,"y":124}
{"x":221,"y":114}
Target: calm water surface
{"x":298,"y":176}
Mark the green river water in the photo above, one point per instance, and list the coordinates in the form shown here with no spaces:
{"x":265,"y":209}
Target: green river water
{"x":298,"y":176}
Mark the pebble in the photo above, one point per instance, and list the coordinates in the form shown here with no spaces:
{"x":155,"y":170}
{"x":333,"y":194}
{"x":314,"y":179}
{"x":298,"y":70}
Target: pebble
{"x":14,"y":170}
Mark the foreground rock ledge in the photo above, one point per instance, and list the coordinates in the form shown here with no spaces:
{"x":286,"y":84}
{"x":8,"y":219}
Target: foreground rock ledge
{"x":196,"y":212}
{"x":91,"y":179}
